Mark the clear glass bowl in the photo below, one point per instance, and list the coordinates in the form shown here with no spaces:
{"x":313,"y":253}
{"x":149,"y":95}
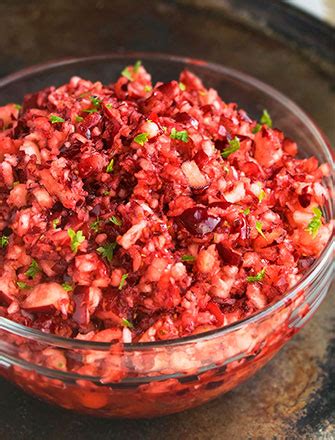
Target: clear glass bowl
{"x":153,"y":379}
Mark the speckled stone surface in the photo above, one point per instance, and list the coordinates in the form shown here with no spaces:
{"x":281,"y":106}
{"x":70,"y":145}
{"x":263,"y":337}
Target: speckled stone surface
{"x":293,"y":397}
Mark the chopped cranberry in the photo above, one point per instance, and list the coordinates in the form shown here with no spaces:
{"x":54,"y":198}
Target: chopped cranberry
{"x":305,"y":199}
{"x":198,"y":222}
{"x":241,"y":225}
{"x":229,"y":256}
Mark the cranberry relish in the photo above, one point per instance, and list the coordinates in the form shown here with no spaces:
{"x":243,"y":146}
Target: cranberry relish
{"x":140,"y":212}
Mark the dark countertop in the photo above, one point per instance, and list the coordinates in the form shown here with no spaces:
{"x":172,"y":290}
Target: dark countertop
{"x":294,"y":395}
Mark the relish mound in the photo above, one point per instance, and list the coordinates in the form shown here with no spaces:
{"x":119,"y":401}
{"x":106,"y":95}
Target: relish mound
{"x":138,"y":213}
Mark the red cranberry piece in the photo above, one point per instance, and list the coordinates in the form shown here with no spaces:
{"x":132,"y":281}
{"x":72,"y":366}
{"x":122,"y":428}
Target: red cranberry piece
{"x":241,"y":225}
{"x":185,"y":118}
{"x":91,"y":165}
{"x":90,"y":121}
{"x":251,"y":169}
{"x":223,"y":204}
{"x":201,"y":158}
{"x":305,"y":199}
{"x":167,"y":89}
{"x":228,"y":256}
{"x":80,"y":297}
{"x":304,"y":263}
{"x":207,"y":108}
{"x":197,"y":221}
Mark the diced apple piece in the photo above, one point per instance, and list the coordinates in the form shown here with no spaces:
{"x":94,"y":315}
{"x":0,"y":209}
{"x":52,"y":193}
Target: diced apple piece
{"x":47,"y":297}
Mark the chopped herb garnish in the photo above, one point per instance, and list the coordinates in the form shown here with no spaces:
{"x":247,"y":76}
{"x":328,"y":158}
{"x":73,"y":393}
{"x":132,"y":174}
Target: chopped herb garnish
{"x":147,"y":88}
{"x":95,"y":101}
{"x":179,"y":135}
{"x":90,"y":110}
{"x":115,"y":220}
{"x":16,"y":183}
{"x":182,"y":87}
{"x":261,"y":196}
{"x":67,"y":287}
{"x":55,"y":223}
{"x":21,"y":284}
{"x":256,"y":128}
{"x":110,"y":166}
{"x":107,"y":251}
{"x":141,"y":138}
{"x":266,"y":119}
{"x":106,"y":193}
{"x":314,"y":225}
{"x":187,"y":258}
{"x":54,"y":119}
{"x":95,"y":226}
{"x":4,"y":240}
{"x":246,"y":211}
{"x":109,"y":105}
{"x":76,"y":239}
{"x":257,"y":277}
{"x":127,"y":323}
{"x":127,"y":74}
{"x":123,"y":280}
{"x":259,"y":226}
{"x":234,"y":145}
{"x":18,"y":106}
{"x":137,"y":65}
{"x":79,"y":118}
{"x":33,"y":269}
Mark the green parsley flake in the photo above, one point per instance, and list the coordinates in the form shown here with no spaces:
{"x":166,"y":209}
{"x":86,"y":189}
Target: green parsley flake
{"x":17,"y":106}
{"x":257,"y":277}
{"x":141,"y":138}
{"x":79,"y":118}
{"x":107,"y":251}
{"x":246,"y":211}
{"x":110,"y":166}
{"x":21,"y":284}
{"x":33,"y":270}
{"x":127,"y":74}
{"x":147,"y":89}
{"x":314,"y":225}
{"x":127,"y":323}
{"x":256,"y":128}
{"x":266,"y":119}
{"x":115,"y":220}
{"x":76,"y":239}
{"x":4,"y":240}
{"x":106,"y":193}
{"x":95,"y":226}
{"x":54,"y":119}
{"x":109,"y":105}
{"x":123,"y":280}
{"x":90,"y":110}
{"x":234,"y":145}
{"x":137,"y":65}
{"x":179,"y":135}
{"x":187,"y":258}
{"x":67,"y":287}
{"x":259,"y":226}
{"x":261,"y":196}
{"x":95,"y":101}
{"x":55,"y":223}
{"x":182,"y":87}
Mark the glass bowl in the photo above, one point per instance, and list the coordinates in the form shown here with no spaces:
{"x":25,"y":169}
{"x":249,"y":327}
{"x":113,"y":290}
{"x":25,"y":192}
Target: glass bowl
{"x":158,"y":378}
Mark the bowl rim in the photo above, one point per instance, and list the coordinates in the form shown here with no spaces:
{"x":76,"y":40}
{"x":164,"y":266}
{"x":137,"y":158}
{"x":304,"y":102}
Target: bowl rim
{"x":317,"y":267}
